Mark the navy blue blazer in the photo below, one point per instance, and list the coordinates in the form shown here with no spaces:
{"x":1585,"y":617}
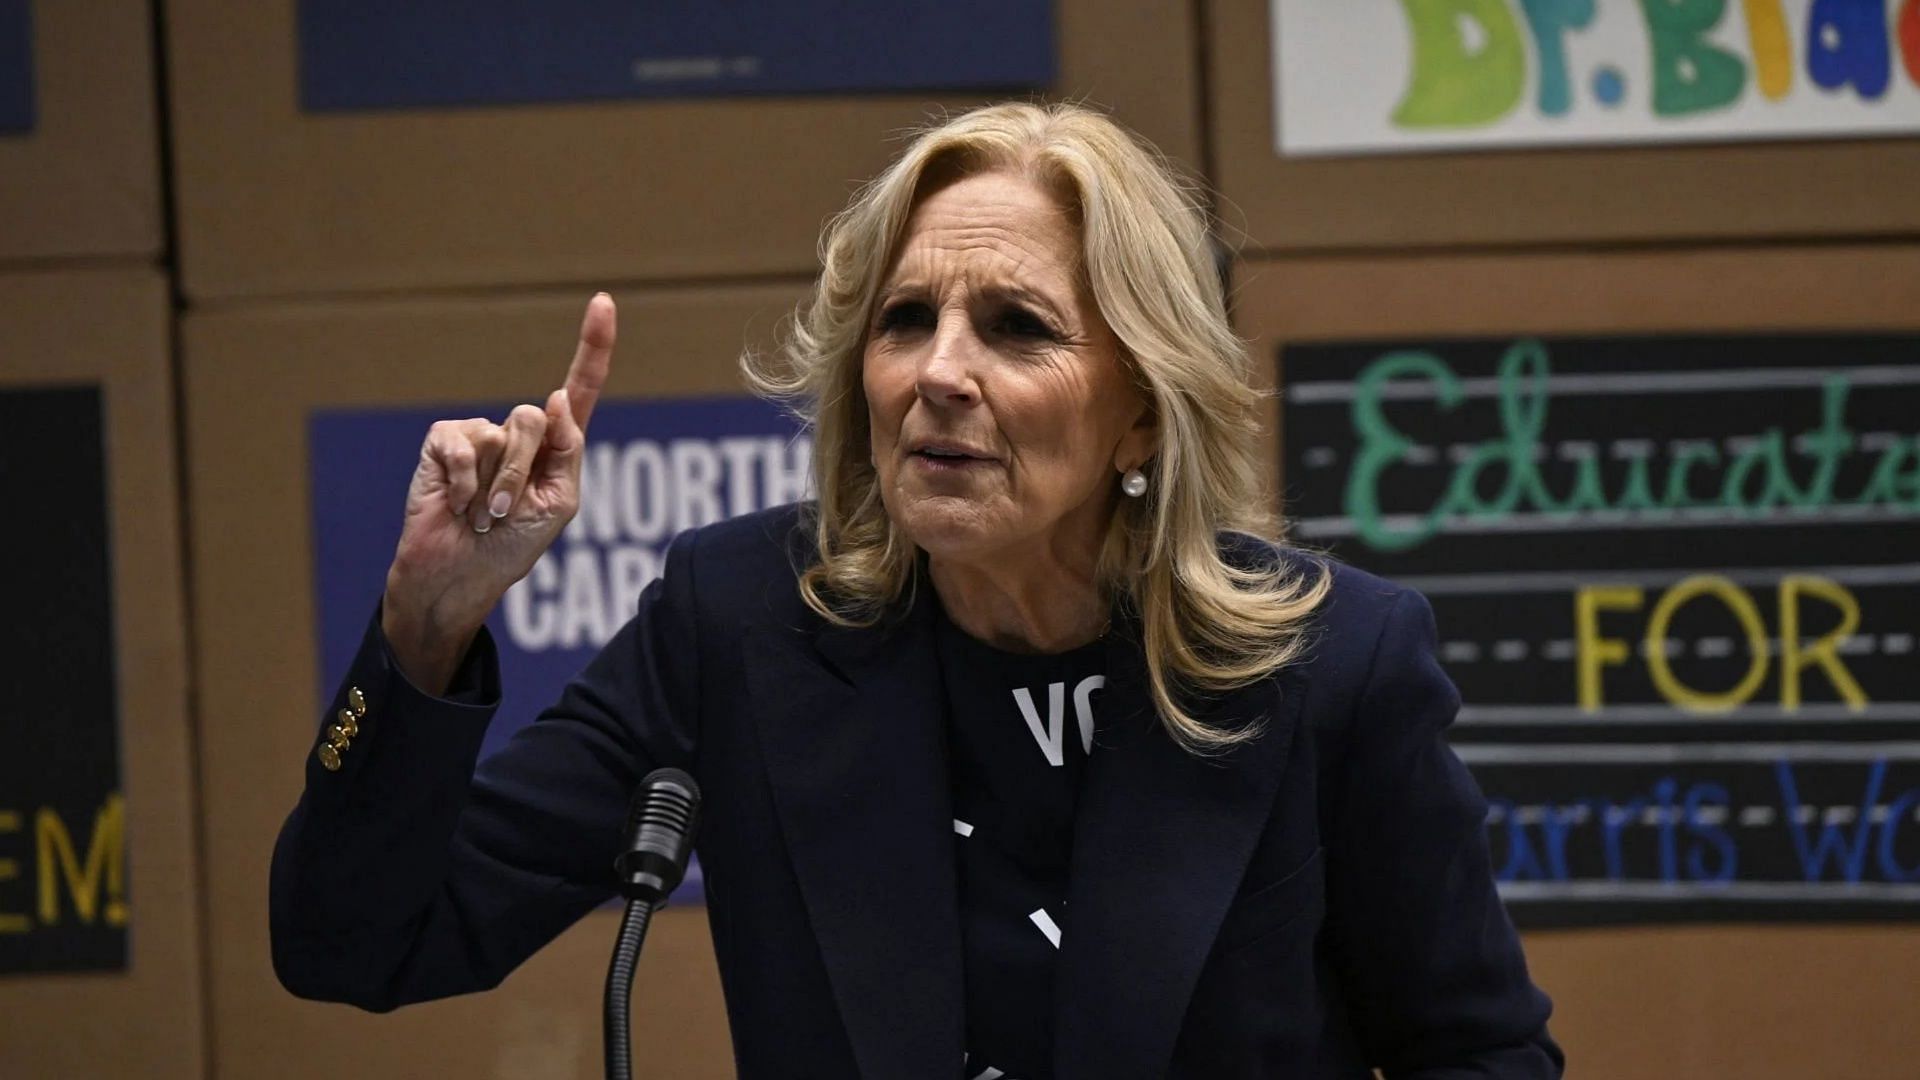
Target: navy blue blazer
{"x":1314,"y":904}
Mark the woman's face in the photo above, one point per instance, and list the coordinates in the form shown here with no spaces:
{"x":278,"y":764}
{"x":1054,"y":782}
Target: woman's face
{"x":1002,"y":417}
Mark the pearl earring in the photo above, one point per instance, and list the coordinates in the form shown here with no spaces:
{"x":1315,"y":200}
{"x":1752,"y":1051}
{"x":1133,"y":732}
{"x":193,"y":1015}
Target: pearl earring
{"x":1134,"y":483}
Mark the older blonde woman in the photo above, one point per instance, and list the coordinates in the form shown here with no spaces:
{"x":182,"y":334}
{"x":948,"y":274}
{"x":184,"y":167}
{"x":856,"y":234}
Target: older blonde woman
{"x":1024,"y":754}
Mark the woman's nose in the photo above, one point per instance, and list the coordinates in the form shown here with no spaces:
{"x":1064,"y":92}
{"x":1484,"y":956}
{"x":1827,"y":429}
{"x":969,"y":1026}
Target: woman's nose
{"x":946,"y":369}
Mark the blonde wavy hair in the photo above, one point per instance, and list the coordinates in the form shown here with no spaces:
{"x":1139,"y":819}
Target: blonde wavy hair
{"x":1208,"y":624}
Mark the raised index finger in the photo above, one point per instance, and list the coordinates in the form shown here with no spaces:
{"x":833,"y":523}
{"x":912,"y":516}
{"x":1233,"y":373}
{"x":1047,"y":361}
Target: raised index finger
{"x":591,"y":360}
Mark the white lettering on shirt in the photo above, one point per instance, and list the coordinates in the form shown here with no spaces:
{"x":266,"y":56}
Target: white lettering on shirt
{"x":1051,"y":736}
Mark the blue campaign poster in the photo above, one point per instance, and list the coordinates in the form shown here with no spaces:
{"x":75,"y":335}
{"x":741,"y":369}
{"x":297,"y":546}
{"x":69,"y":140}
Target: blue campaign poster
{"x":652,"y":468}
{"x":375,"y":54}
{"x":16,"y":66}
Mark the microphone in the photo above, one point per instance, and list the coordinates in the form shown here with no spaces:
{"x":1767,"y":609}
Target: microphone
{"x":661,"y":821}
{"x":660,"y":824}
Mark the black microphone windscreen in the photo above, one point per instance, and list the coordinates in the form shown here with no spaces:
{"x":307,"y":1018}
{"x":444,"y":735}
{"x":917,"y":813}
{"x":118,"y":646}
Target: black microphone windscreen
{"x":661,"y":821}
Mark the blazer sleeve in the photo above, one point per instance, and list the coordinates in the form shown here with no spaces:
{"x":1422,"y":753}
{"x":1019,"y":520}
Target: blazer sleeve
{"x":408,"y":874}
{"x":1432,"y":966}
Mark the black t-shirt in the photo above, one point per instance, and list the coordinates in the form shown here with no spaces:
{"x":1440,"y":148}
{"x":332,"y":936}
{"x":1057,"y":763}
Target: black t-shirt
{"x":1020,"y":727}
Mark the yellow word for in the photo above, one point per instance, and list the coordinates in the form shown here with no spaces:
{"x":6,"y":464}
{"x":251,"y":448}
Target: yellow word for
{"x":1595,"y":652}
{"x":96,"y":882}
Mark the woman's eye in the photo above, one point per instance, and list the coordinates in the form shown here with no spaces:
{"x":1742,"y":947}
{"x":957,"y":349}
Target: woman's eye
{"x":1025,"y":324}
{"x":908,"y":314}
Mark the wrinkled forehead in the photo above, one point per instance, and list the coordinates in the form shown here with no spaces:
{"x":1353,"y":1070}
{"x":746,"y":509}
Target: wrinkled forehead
{"x":996,"y":227}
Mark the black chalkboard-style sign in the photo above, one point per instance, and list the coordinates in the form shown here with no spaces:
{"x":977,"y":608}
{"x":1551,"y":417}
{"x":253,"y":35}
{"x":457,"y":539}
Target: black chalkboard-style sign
{"x":1677,"y":581}
{"x":63,"y":894}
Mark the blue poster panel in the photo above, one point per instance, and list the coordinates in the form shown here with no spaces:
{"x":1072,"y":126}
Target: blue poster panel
{"x":63,"y":822}
{"x":16,"y":66}
{"x":652,"y":468}
{"x":1676,"y":585}
{"x":371,"y":54}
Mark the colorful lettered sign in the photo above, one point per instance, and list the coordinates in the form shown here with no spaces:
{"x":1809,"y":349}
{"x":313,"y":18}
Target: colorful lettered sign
{"x":1676,"y":584}
{"x":1410,"y":75}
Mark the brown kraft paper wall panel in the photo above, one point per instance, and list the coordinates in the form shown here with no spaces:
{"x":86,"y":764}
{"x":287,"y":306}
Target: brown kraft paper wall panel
{"x":273,"y":202}
{"x":1821,"y":188}
{"x":1760,"y":1002}
{"x":109,"y":329}
{"x":253,"y":376}
{"x":85,"y":180}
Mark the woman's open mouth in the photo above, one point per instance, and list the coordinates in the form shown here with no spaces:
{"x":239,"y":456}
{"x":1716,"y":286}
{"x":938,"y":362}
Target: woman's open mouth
{"x":948,"y":458}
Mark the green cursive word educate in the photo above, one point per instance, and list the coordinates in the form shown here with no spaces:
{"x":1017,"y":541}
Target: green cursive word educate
{"x":1754,"y":479}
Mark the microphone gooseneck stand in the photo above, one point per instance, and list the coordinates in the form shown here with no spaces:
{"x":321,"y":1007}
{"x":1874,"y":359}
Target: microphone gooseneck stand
{"x":660,"y":825}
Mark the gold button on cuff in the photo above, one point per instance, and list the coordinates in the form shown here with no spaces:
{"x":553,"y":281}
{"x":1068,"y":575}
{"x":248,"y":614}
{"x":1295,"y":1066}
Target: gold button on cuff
{"x":329,"y":757}
{"x":337,"y":736}
{"x":356,"y":701}
{"x":349,"y":723}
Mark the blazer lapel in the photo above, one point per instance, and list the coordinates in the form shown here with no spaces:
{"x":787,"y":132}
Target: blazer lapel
{"x":854,"y":727}
{"x":1161,"y":838}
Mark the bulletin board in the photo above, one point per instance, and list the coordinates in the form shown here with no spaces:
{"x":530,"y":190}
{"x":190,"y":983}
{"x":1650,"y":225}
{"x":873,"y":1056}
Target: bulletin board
{"x":256,"y":379}
{"x":277,"y":201}
{"x":1766,"y":1001}
{"x":98,"y":868}
{"x":1771,"y":186}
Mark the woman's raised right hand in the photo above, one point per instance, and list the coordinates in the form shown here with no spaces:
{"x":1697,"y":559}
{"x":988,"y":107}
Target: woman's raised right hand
{"x":485,"y":503}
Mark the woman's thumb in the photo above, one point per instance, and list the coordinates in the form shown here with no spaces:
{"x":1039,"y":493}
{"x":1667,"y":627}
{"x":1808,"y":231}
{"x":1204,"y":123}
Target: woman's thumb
{"x":563,"y":432}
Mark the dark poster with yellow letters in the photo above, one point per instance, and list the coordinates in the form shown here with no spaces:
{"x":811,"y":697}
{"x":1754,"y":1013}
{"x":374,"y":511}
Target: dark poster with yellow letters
{"x":1677,"y":582}
{"x":63,"y":897}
